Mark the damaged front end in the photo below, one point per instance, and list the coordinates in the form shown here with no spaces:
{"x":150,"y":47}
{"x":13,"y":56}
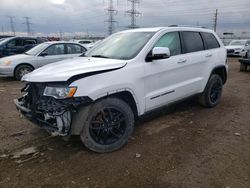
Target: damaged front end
{"x":50,"y":113}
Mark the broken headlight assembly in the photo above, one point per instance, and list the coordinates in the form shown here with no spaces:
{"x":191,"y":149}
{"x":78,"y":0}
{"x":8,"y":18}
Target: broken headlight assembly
{"x":59,"y":92}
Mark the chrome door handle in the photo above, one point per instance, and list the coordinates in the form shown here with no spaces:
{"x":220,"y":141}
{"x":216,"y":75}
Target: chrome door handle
{"x":182,"y":61}
{"x":208,"y":55}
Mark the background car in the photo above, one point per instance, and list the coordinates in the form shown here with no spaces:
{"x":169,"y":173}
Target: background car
{"x":238,"y":47}
{"x":17,"y":45}
{"x":42,"y":54}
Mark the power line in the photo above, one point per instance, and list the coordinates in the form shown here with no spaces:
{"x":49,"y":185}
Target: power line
{"x":12,"y":24}
{"x":215,"y":20}
{"x":133,"y":13}
{"x":28,"y":24}
{"x":111,"y":13}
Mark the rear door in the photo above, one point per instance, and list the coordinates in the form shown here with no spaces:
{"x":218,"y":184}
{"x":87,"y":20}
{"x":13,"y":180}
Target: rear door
{"x":74,"y":50}
{"x":52,"y":54}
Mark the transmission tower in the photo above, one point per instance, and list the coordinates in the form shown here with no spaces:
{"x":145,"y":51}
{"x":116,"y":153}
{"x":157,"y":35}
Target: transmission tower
{"x":12,"y":25}
{"x":133,"y":13}
{"x":111,"y":11}
{"x":215,"y":20}
{"x":28,"y":25}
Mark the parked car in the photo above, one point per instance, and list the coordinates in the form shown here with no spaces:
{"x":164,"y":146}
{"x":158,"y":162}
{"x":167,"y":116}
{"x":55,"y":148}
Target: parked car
{"x":43,"y":54}
{"x":17,"y":45}
{"x":238,"y":47}
{"x":87,"y":43}
{"x":100,"y":96}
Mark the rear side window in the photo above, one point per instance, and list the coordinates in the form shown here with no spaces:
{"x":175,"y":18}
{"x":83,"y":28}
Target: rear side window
{"x":210,"y":41}
{"x":75,"y":49}
{"x":192,"y":42}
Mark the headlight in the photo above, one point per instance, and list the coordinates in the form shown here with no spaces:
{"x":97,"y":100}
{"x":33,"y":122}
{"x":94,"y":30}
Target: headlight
{"x":238,"y":48}
{"x":60,"y":92}
{"x":6,"y":62}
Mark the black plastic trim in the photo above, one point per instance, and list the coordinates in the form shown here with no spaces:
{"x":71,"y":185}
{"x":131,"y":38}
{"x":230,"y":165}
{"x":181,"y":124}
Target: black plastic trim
{"x":79,"y":76}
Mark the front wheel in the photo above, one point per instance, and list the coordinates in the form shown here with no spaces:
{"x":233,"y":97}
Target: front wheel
{"x":107,"y":126}
{"x":212,"y":93}
{"x":21,"y":70}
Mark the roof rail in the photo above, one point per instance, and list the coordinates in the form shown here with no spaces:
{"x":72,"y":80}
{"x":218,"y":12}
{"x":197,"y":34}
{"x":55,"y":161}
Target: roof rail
{"x":187,"y":26}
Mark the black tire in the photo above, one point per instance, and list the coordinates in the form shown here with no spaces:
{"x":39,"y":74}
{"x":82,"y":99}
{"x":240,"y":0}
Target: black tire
{"x":106,"y":125}
{"x":212,"y":93}
{"x":21,"y":70}
{"x":243,"y":67}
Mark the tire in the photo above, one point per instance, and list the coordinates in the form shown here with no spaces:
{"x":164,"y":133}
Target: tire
{"x":212,"y":93}
{"x":243,"y":67}
{"x":21,"y":70}
{"x":106,"y":125}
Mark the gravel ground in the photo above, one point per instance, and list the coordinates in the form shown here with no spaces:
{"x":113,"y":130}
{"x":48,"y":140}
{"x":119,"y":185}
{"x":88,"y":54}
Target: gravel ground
{"x":183,"y":145}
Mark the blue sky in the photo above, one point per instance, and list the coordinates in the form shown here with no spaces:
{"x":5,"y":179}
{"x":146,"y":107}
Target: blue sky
{"x":51,"y":16}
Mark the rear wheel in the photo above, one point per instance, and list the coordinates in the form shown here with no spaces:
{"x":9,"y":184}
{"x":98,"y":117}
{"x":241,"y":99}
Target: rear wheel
{"x":21,"y":70}
{"x":107,"y":126}
{"x":212,"y":93}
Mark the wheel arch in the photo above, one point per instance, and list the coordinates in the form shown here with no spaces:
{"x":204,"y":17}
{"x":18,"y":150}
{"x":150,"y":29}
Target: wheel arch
{"x":20,"y":64}
{"x":125,"y":95}
{"x":221,"y":71}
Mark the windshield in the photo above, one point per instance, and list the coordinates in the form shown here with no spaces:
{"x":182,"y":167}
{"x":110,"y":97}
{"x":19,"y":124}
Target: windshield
{"x":237,"y":43}
{"x":122,"y":46}
{"x":37,"y":49}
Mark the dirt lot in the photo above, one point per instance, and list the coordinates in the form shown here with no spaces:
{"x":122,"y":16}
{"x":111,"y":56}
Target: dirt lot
{"x":184,"y":145}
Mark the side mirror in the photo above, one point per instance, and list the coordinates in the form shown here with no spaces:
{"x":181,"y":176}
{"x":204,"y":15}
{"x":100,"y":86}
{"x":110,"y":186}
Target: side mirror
{"x":158,"y":53}
{"x":43,"y":54}
{"x":247,"y":44}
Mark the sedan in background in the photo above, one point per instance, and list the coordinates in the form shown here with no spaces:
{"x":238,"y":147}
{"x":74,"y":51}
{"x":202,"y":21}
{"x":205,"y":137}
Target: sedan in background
{"x":238,"y":48}
{"x":49,"y":52}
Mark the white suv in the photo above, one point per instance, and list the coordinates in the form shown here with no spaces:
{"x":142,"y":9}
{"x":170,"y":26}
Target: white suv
{"x":99,"y":96}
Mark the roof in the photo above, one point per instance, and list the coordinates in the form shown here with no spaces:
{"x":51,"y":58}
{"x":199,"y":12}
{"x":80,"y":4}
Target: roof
{"x":180,"y":28}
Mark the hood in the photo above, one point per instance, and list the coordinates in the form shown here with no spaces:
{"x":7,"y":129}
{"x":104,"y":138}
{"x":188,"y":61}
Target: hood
{"x":15,"y":58}
{"x":234,"y":47}
{"x":66,"y":69}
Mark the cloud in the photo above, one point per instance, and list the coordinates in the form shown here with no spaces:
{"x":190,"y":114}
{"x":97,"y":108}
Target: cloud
{"x":89,"y":15}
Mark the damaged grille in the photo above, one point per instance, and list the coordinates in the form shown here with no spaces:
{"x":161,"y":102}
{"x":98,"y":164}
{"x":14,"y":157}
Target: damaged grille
{"x":50,"y":113}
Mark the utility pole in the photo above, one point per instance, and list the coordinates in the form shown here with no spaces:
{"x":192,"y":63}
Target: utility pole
{"x":28,"y":25}
{"x":133,"y":13}
{"x":111,"y":11}
{"x":215,"y":20}
{"x":12,"y":26}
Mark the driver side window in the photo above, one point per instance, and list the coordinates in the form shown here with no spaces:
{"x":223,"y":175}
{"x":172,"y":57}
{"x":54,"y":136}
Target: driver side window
{"x":172,"y":41}
{"x":56,"y":49}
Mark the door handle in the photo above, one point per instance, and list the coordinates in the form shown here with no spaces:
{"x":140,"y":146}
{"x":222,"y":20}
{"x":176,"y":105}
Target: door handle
{"x":182,"y":61}
{"x":208,"y":55}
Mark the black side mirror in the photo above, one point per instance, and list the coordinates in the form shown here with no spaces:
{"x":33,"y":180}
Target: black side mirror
{"x":43,"y":54}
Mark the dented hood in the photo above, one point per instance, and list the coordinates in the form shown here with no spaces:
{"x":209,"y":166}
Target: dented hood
{"x":65,"y":70}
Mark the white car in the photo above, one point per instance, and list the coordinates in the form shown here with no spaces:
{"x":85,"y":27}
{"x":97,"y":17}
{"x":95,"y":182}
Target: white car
{"x":49,"y":52}
{"x":129,"y":74}
{"x":87,"y":43}
{"x":238,"y":47}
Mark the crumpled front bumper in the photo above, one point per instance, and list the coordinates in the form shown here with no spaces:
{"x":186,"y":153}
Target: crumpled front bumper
{"x":54,"y":115}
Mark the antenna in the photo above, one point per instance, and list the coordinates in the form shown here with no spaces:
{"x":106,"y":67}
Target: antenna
{"x":28,"y":25}
{"x":133,"y":13}
{"x":12,"y":25}
{"x":111,"y":13}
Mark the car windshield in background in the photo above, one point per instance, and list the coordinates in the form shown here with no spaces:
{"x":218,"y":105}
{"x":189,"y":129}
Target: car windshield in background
{"x":37,"y":49}
{"x":4,"y":40}
{"x":237,"y":43}
{"x":122,"y":46}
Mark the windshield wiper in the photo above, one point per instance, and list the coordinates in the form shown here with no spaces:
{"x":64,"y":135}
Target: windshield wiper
{"x":100,"y":56}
